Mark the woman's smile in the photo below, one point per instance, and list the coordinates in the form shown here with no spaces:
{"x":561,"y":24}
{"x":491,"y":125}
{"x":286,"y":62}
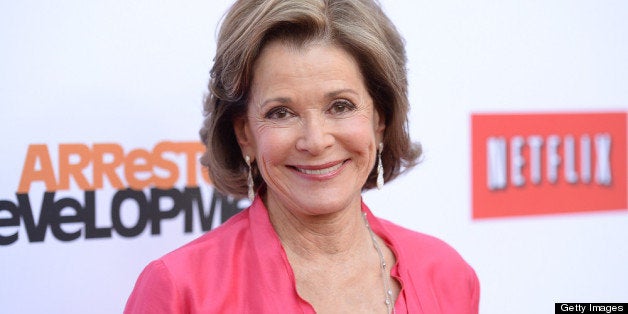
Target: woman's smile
{"x":321,"y":171}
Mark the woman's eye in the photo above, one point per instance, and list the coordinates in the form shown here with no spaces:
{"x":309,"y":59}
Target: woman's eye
{"x":342,"y":106}
{"x":278,"y":113}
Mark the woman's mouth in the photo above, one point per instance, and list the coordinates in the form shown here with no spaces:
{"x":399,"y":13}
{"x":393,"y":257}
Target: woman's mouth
{"x":318,"y":170}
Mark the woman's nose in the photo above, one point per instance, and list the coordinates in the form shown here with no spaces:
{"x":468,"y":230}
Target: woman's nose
{"x":314,"y":135}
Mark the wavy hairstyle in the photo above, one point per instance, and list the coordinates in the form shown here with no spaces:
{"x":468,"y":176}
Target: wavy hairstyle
{"x":359,"y":27}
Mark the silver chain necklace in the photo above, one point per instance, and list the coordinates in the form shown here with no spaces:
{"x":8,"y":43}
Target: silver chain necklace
{"x":382,"y":262}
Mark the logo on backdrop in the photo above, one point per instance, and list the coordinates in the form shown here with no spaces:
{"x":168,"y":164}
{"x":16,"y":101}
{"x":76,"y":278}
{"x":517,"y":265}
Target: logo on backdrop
{"x":139,"y":183}
{"x":547,"y":163}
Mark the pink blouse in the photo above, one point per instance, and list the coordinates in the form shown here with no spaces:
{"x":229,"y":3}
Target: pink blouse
{"x":241,"y":267}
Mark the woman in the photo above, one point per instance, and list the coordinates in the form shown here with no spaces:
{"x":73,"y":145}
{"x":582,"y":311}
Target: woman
{"x":307,"y":108}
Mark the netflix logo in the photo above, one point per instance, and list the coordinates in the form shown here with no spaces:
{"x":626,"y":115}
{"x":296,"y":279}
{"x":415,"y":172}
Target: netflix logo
{"x":534,"y":164}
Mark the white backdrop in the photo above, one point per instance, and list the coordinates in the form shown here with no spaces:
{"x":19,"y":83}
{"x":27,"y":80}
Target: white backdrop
{"x":134,"y":74}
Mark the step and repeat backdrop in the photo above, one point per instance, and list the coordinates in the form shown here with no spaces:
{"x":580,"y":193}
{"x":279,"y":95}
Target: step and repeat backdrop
{"x":521,"y":108}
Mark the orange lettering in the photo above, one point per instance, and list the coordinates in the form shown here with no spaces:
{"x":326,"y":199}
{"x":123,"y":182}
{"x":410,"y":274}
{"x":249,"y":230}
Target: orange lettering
{"x":192,"y":150}
{"x":103,"y":168}
{"x":37,"y":152}
{"x":138,"y":162}
{"x":142,"y":168}
{"x":160,"y":162}
{"x":68,"y":169}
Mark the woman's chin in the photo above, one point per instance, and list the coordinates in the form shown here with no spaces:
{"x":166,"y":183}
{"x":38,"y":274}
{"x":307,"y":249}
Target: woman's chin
{"x":316,"y":202}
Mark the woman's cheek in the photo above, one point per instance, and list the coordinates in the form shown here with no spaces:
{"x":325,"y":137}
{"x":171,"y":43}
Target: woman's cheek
{"x":274,"y":142}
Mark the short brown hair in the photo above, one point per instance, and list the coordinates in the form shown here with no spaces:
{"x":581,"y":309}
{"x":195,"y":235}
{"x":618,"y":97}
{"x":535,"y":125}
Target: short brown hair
{"x":357,"y":26}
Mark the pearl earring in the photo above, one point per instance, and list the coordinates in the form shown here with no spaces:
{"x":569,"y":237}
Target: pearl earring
{"x":380,"y":167}
{"x":249,"y":179}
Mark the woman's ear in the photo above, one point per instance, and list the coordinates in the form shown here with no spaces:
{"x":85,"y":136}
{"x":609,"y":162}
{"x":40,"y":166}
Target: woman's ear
{"x":244,"y":136}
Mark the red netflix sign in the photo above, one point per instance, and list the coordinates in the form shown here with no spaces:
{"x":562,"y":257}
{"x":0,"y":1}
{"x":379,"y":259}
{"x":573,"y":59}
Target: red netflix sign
{"x":534,"y":164}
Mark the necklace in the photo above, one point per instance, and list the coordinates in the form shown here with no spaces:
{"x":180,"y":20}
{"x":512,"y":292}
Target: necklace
{"x":385,"y":276}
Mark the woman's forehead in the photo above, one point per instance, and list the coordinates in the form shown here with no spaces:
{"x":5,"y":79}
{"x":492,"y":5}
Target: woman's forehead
{"x":322,"y":65}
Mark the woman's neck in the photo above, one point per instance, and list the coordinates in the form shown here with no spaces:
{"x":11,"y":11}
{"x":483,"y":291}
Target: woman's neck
{"x":335,"y":235}
{"x":333,"y":259}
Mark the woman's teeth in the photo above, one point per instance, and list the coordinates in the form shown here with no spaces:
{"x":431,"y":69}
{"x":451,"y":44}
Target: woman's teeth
{"x":320,"y":171}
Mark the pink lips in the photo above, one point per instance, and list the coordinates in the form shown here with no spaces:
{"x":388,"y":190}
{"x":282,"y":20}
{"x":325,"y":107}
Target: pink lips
{"x":324,"y":170}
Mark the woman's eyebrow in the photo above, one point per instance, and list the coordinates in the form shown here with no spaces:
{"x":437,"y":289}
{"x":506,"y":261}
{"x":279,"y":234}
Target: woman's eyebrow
{"x":335,"y":93}
{"x":281,"y":100}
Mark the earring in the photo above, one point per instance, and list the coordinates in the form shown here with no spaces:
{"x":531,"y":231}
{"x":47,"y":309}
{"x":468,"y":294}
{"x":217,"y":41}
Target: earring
{"x":249,"y":179}
{"x":380,"y":167}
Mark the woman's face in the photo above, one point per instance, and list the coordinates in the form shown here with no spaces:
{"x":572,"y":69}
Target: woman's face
{"x":311,"y":127}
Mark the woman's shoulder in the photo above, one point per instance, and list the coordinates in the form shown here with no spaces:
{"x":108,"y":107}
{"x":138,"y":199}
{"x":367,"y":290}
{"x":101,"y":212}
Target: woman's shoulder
{"x":170,"y":284}
{"x":217,"y":262}
{"x":203,"y":254}
{"x":220,"y":241}
{"x":425,"y":249}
